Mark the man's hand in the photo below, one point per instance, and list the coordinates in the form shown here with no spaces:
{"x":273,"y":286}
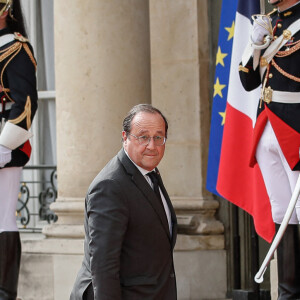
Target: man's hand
{"x":260,"y":29}
{"x":5,"y":156}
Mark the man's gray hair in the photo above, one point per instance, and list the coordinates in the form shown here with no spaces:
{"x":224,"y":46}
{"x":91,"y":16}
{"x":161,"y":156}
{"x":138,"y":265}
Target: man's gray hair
{"x":142,"y":108}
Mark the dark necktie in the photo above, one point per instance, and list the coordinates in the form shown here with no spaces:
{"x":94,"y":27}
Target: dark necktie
{"x":154,"y":178}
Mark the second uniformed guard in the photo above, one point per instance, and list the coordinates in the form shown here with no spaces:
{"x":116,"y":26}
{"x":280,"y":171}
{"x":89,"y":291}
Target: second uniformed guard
{"x":272,"y":59}
{"x":18,"y":104}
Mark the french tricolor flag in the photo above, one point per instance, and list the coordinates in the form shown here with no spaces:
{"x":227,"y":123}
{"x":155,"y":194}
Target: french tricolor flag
{"x":229,"y":174}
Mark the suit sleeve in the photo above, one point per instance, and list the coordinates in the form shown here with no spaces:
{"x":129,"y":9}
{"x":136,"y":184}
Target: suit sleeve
{"x":107,"y":222}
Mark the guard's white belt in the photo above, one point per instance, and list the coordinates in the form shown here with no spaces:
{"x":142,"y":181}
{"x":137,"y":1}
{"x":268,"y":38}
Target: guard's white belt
{"x":285,"y":97}
{"x":8,"y":105}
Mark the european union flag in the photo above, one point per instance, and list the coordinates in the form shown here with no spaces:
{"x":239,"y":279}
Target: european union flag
{"x":223,"y":60}
{"x":229,"y":174}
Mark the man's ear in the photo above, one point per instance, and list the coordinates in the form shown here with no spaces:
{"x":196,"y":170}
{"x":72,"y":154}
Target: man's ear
{"x":124,"y":136}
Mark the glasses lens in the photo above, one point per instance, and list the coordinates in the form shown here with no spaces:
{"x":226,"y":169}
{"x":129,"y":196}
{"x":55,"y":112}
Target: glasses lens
{"x":158,"y":140}
{"x":144,"y":140}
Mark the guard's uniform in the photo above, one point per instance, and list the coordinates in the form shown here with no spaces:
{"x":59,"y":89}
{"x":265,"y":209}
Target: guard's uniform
{"x":18,"y":92}
{"x":18,"y":104}
{"x":18,"y":98}
{"x":282,"y":74}
{"x":276,"y":141}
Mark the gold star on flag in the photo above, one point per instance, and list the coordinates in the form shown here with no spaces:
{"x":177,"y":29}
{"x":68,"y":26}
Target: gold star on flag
{"x":220,"y":57}
{"x":218,"y":88}
{"x":223,"y":115}
{"x":231,"y":31}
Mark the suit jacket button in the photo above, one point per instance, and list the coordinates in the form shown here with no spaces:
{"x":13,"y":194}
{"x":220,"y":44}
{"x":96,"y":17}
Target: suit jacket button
{"x":172,"y":275}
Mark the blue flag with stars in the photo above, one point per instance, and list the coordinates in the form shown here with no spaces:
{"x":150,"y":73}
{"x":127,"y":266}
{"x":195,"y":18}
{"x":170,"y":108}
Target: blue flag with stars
{"x":223,"y":60}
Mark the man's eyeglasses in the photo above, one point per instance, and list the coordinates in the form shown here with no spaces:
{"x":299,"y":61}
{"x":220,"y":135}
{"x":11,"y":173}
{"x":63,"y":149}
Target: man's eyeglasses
{"x":144,"y":140}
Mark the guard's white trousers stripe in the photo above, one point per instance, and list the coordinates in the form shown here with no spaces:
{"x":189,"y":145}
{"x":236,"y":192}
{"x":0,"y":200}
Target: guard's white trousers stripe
{"x":279,"y":179}
{"x":9,"y":190}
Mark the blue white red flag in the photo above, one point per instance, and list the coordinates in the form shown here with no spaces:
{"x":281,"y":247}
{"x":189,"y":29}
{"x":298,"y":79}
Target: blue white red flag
{"x":229,"y":174}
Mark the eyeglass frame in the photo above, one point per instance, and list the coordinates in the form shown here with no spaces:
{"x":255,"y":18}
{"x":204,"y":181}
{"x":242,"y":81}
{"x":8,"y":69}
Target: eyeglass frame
{"x":149,"y":139}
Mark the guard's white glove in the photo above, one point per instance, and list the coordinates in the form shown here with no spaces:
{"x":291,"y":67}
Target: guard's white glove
{"x":5,"y":156}
{"x":260,"y":29}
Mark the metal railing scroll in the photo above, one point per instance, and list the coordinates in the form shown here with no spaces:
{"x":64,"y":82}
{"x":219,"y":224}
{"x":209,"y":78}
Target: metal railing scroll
{"x":38,"y":189}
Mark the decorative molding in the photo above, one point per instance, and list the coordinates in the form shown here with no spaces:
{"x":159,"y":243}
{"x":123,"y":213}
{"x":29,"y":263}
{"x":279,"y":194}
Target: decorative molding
{"x":64,"y":231}
{"x":70,"y":211}
{"x":53,"y":246}
{"x":199,"y":242}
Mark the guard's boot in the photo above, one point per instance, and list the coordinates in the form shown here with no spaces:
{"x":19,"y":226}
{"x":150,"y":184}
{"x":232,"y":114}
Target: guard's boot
{"x":10,"y":255}
{"x":288,"y":264}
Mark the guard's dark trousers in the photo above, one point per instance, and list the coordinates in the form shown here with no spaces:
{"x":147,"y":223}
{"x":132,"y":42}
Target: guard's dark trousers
{"x":10,"y":254}
{"x":288,"y":263}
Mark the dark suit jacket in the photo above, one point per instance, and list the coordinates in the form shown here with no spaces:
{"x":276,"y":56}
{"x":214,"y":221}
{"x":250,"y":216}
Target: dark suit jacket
{"x":128,"y":249}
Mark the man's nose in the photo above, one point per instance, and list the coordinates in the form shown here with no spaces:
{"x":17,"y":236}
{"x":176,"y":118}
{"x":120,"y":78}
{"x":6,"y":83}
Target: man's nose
{"x":151,"y":144}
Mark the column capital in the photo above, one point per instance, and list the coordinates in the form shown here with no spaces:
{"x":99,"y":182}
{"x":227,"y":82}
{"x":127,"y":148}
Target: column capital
{"x":196,"y":216}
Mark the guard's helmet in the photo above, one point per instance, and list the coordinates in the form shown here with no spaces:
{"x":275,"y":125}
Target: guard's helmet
{"x":14,"y":20}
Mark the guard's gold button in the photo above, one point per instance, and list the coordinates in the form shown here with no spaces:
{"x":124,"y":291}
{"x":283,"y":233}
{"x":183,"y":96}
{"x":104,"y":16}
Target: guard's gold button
{"x":279,"y":25}
{"x":270,"y":75}
{"x":263,"y":62}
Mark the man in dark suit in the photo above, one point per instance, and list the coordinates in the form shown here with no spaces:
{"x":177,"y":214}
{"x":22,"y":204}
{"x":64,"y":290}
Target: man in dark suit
{"x":130,"y":224}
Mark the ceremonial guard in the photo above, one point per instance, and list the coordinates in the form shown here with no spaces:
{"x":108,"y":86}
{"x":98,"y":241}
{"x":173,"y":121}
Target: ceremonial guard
{"x":272,"y":59}
{"x":18,"y":105}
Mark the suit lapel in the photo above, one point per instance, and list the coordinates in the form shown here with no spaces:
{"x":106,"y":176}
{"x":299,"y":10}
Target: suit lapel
{"x":145,"y":188}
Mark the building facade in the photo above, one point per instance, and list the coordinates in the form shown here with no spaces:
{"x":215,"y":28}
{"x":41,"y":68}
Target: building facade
{"x":107,"y":57}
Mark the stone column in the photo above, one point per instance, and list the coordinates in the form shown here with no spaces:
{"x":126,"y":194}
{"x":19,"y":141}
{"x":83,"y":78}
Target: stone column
{"x":102,"y":70}
{"x":102,"y":66}
{"x":180,"y":87}
{"x":179,"y":42}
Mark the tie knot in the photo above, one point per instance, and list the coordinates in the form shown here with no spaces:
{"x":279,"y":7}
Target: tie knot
{"x":153,"y":176}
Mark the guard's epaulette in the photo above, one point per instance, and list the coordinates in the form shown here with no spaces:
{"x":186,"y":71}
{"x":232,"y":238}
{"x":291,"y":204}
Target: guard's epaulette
{"x":273,"y":12}
{"x":20,"y":37}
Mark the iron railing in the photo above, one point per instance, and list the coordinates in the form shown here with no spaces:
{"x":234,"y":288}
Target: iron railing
{"x":38,"y":189}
